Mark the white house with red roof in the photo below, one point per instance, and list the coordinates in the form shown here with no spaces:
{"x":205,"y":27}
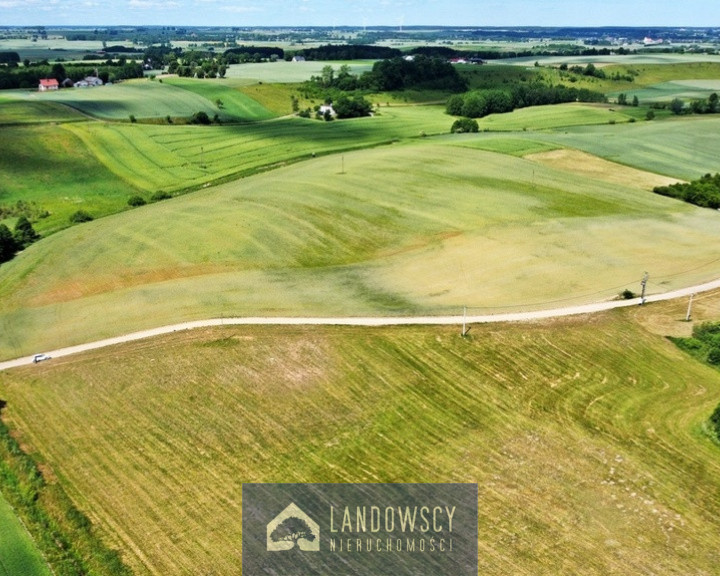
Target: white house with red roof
{"x":48,"y":84}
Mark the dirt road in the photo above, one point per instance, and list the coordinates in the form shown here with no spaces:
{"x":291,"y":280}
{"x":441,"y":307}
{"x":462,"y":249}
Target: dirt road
{"x":370,"y":321}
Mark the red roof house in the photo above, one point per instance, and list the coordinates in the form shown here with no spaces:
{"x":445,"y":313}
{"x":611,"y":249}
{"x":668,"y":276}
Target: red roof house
{"x":48,"y":84}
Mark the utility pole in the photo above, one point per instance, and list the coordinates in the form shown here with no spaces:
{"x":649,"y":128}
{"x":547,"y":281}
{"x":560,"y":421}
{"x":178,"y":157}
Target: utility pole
{"x":689,"y":310}
{"x":464,"y":328}
{"x":643,"y":283}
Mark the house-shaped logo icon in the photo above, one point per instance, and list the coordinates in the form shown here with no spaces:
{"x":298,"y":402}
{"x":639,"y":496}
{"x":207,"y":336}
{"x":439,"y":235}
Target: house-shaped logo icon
{"x":293,"y":528}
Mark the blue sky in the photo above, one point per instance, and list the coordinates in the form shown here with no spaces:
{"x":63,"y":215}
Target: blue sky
{"x":474,"y":13}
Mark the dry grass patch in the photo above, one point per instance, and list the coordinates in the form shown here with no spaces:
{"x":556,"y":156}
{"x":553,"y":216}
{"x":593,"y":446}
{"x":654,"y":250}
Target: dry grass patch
{"x":590,"y":166}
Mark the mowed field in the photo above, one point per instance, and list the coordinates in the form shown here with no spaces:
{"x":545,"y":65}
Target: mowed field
{"x":421,"y":227}
{"x":585,"y":436}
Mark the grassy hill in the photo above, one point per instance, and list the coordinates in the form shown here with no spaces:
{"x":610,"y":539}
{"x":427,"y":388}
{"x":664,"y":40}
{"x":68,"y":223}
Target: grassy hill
{"x":584,"y":435}
{"x":418,"y":227}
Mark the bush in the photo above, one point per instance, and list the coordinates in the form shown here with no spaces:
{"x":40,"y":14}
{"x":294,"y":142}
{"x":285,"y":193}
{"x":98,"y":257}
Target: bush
{"x":136,"y":201}
{"x":159,"y":196}
{"x":80,"y":216}
{"x":714,"y":356}
{"x":464,"y":125}
{"x":200,"y":118}
{"x":715,"y":422}
{"x":627,"y":294}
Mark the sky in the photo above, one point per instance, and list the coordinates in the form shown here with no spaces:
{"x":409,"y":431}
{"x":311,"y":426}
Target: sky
{"x":474,"y":13}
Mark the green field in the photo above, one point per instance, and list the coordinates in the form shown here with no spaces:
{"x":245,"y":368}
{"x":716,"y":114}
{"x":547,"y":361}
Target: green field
{"x":18,"y":554}
{"x":584,"y":436}
{"x":290,"y":72}
{"x":47,"y":165}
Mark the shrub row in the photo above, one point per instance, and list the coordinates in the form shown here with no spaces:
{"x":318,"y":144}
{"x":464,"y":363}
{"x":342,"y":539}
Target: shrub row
{"x":63,"y":534}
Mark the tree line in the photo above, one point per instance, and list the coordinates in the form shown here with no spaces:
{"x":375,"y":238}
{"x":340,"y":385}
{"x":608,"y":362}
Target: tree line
{"x":391,"y":75}
{"x":704,"y":192}
{"x":349,"y":52}
{"x":480,"y":103}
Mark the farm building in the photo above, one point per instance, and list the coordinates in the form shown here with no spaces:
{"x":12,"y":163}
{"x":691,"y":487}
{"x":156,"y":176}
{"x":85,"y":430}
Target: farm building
{"x":48,"y":84}
{"x":298,"y":59}
{"x":89,"y":81}
{"x":327,"y":109}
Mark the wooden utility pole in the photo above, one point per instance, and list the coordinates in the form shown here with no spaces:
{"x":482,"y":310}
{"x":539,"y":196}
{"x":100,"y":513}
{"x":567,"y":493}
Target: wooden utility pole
{"x":689,"y":310}
{"x":464,"y":328}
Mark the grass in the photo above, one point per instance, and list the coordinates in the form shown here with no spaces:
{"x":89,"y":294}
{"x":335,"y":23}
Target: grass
{"x":327,"y":237}
{"x":235,"y":105}
{"x":47,"y":165}
{"x":14,"y":111}
{"x":584,"y":436}
{"x":18,"y":554}
{"x":176,"y":158}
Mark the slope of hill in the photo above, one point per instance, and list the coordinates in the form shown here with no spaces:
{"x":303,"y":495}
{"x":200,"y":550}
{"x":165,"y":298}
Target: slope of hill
{"x":584,"y":435}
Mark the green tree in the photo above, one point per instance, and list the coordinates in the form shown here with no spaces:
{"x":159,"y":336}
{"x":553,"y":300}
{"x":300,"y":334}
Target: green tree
{"x":622,"y":99}
{"x":676,"y":106}
{"x":713,"y":107}
{"x":454,"y":105}
{"x":200,"y":118}
{"x":327,"y":75}
{"x":464,"y":125}
{"x":357,"y":107}
{"x":24,"y":233}
{"x":635,"y":101}
{"x":8,"y":247}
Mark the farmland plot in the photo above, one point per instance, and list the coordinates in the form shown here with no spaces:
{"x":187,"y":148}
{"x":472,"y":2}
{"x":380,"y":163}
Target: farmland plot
{"x":585,"y":432}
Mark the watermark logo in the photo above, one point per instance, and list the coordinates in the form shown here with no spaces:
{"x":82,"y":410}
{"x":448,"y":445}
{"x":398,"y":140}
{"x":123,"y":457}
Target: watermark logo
{"x":293,"y":528}
{"x":361,"y":529}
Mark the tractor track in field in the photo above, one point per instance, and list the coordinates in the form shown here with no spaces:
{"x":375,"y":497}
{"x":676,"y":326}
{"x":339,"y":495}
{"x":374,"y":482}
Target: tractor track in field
{"x":369,"y":321}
